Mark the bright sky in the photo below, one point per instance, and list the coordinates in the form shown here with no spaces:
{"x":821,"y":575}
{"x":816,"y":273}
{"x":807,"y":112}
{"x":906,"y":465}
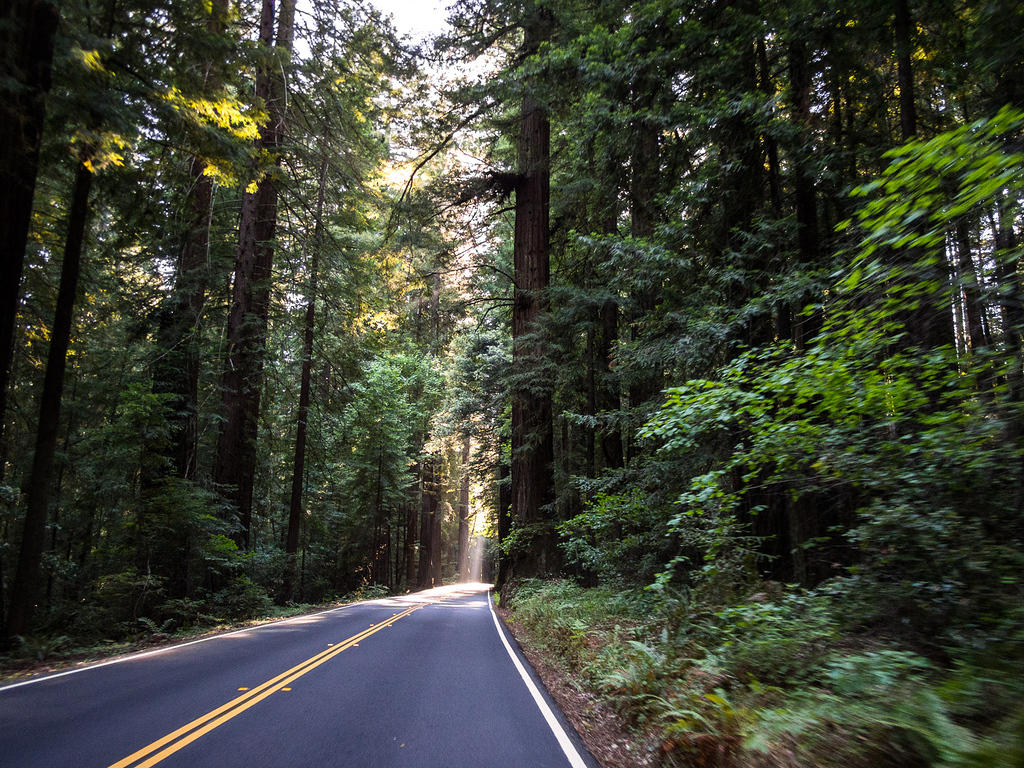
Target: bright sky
{"x":417,"y":18}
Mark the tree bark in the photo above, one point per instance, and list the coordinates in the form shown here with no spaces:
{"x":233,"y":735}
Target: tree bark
{"x":804,"y":327}
{"x":411,"y":518}
{"x":645,"y":165}
{"x":247,"y":323}
{"x":299,"y":459}
{"x":1008,"y":271}
{"x":177,"y":373}
{"x":771,"y":146}
{"x":590,"y":432}
{"x":436,"y":550}
{"x":504,"y":570}
{"x":462,"y":560}
{"x":608,"y":398}
{"x":904,"y":71}
{"x":974,"y":308}
{"x":37,"y":489}
{"x":424,"y":572}
{"x":27,"y":30}
{"x":532,"y":438}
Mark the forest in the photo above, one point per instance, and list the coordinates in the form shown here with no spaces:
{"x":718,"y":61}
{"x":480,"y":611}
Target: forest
{"x":697,"y":326}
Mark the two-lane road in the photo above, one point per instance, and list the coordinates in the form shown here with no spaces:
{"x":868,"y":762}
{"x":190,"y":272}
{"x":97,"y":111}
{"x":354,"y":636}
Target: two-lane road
{"x":427,"y":680}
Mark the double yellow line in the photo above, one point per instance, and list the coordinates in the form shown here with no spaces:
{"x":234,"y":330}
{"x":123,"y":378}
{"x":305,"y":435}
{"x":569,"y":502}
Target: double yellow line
{"x":188,"y":733}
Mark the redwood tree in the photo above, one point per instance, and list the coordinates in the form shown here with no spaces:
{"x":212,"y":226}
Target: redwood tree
{"x":27,"y":29}
{"x":37,"y":487}
{"x":532,"y":441}
{"x":247,"y":323}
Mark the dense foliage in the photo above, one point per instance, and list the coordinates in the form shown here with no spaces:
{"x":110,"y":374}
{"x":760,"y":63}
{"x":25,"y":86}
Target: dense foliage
{"x":168,"y":108}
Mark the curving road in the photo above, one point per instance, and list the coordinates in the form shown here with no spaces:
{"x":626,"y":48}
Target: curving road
{"x":428,"y":680}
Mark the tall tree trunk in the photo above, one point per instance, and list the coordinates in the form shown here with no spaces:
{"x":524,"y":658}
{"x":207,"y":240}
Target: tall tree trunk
{"x":804,"y":327}
{"x":436,"y":551}
{"x":1012,"y":299}
{"x":504,"y":570}
{"x":27,"y":29}
{"x":974,"y":308}
{"x":782,"y":309}
{"x":771,"y":146}
{"x":37,"y":489}
{"x":427,"y":510}
{"x":411,"y":519}
{"x":379,"y":561}
{"x":462,"y":560}
{"x":905,"y":71}
{"x":299,"y":460}
{"x":644,"y":166}
{"x":742,"y":185}
{"x":247,"y":323}
{"x":608,"y":398}
{"x":590,"y":433}
{"x":532,"y":438}
{"x":177,"y":373}
{"x":1008,"y":271}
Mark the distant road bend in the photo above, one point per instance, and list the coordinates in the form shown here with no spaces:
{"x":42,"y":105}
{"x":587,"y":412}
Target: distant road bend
{"x":427,"y":680}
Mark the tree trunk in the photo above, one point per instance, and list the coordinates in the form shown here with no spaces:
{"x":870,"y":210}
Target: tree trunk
{"x":608,"y":398}
{"x":299,"y":461}
{"x":247,"y":323}
{"x":27,"y":29}
{"x":504,"y":571}
{"x":804,"y":327}
{"x":1012,"y":299}
{"x":379,"y":561}
{"x":423,"y":571}
{"x":411,"y":518}
{"x":436,"y":551}
{"x":532,"y":439}
{"x":37,"y":489}
{"x":771,"y":146}
{"x":1008,"y":271}
{"x":904,"y":71}
{"x":974,"y":308}
{"x":590,"y":433}
{"x":178,"y":371}
{"x":644,"y":164}
{"x":462,"y":560}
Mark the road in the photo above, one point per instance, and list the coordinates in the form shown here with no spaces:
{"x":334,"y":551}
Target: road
{"x":420,"y":681}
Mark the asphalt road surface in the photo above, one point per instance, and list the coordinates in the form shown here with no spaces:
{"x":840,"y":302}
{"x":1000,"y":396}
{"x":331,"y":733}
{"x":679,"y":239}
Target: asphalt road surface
{"x":428,"y":680}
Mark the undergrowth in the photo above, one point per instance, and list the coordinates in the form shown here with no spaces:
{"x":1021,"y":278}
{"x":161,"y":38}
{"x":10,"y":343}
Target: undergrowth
{"x":56,"y":650}
{"x":779,"y":679}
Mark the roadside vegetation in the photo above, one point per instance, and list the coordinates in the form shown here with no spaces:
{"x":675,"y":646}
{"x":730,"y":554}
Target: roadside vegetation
{"x":834,"y":578}
{"x":775,"y":677}
{"x":37,"y":653}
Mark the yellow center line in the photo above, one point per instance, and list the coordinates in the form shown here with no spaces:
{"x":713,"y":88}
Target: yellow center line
{"x":236,"y":706}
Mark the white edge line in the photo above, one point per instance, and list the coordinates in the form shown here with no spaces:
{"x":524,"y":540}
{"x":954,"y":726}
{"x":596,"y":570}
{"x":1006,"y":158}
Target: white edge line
{"x":571,"y":753}
{"x":166,"y":649}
